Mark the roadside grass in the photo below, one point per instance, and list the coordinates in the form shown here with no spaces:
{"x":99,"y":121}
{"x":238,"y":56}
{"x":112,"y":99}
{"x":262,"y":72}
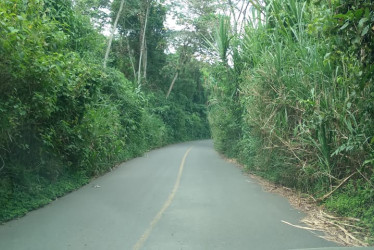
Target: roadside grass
{"x":38,"y":193}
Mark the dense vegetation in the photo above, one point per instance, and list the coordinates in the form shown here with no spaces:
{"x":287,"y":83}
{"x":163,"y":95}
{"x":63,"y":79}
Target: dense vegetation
{"x":296,"y":102}
{"x":290,"y":85}
{"x":65,"y":118}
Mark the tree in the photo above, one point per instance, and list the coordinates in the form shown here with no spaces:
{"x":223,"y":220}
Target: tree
{"x":142,"y":40}
{"x":96,"y":10}
{"x":112,"y":33}
{"x":184,"y":54}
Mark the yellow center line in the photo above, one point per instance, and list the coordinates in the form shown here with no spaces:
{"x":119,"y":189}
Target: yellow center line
{"x":167,"y":203}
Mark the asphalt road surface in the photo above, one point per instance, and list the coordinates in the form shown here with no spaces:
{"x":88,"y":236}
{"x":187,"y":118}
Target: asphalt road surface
{"x":183,"y":196}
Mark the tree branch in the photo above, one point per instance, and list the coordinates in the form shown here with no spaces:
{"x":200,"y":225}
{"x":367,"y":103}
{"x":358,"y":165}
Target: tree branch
{"x":257,"y":5}
{"x":337,"y":187}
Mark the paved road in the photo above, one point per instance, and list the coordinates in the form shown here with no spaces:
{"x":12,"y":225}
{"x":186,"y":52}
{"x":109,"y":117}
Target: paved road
{"x":169,"y":199}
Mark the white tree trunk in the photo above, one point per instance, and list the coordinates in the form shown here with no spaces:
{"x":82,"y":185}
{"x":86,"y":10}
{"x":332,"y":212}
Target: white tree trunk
{"x":172,"y":84}
{"x":145,"y":60}
{"x":112,"y":33}
{"x":131,"y":58}
{"x":142,"y":46}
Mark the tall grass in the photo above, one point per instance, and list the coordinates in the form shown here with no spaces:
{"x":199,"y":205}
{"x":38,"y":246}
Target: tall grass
{"x":305,"y":123}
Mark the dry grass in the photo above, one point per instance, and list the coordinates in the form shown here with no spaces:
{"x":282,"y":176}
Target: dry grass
{"x":342,"y":230}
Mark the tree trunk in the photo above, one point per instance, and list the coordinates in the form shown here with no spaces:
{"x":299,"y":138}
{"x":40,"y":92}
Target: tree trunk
{"x":112,"y":33}
{"x":142,"y":45}
{"x":172,"y":84}
{"x":145,"y":60}
{"x":131,"y":58}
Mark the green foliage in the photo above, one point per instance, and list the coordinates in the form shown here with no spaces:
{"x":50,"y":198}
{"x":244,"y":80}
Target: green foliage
{"x":19,"y":198}
{"x":64,"y":119}
{"x":222,"y":39}
{"x":355,"y":199}
{"x":304,"y":117}
{"x":183,"y":120}
{"x":224,"y":108}
{"x":126,"y":50}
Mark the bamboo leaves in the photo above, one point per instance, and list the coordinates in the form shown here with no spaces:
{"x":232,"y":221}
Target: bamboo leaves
{"x":221,"y":39}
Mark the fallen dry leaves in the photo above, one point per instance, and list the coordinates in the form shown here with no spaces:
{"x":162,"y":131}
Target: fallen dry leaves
{"x":342,"y":230}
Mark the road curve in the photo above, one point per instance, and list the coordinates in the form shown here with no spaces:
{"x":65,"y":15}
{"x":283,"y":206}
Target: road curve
{"x":182,"y":196}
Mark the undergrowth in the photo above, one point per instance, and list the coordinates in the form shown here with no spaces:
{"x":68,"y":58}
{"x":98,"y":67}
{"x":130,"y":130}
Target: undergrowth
{"x":20,"y":199}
